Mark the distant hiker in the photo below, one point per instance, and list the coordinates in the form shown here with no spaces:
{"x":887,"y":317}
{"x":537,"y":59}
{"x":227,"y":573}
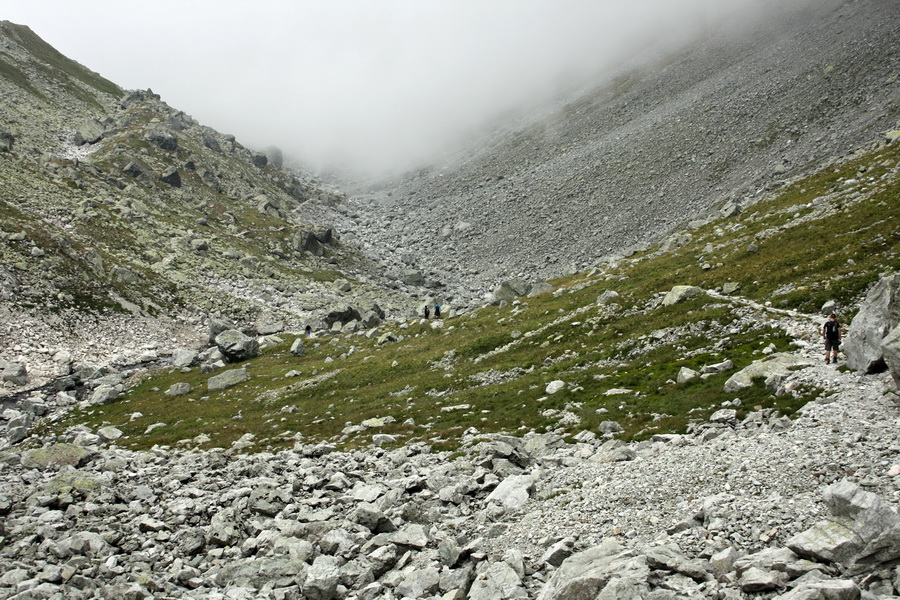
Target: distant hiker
{"x":427,"y":312}
{"x":437,"y":311}
{"x":831,"y":331}
{"x":308,"y":331}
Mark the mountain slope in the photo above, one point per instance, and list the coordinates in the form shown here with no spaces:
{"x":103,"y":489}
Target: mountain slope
{"x":125,"y":223}
{"x":653,"y":147}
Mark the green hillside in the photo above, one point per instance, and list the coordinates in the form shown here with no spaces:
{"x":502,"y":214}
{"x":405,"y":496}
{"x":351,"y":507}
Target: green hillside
{"x":825,"y":237}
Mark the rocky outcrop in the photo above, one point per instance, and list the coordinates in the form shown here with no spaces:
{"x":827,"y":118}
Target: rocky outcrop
{"x":877,"y":316}
{"x":890,"y":349}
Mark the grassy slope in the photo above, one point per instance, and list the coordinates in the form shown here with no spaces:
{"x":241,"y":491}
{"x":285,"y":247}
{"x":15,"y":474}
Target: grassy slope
{"x":821,"y":238}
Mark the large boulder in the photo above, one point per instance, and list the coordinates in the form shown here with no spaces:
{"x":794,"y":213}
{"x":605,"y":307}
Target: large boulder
{"x":586,"y":574}
{"x":237,"y":346}
{"x":878,"y":315}
{"x":890,"y":348}
{"x":227,"y":379}
{"x":217,"y":325}
{"x":14,"y":372}
{"x":680,"y":293}
{"x":89,"y":132}
{"x":57,"y":456}
{"x":307,"y":241}
{"x":342,"y":315}
{"x":862,"y":533}
{"x":510,"y":290}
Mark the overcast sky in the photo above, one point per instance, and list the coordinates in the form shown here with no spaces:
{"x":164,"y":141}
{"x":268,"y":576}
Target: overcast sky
{"x":376,"y":84}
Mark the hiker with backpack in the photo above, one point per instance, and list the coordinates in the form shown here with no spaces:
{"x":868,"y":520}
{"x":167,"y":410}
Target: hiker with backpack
{"x":831,"y":332}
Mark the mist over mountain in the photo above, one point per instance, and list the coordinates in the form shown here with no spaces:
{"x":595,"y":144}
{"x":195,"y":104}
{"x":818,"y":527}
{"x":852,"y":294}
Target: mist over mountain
{"x":372,"y":87}
{"x":221,"y":377}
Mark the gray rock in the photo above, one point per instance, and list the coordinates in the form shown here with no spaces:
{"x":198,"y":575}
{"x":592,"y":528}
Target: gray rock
{"x":275,"y":157}
{"x":298,"y":348}
{"x":56,"y":456}
{"x":586,"y":574}
{"x":413,"y":535}
{"x":514,"y":491}
{"x":7,"y":140}
{"x":216,"y":326}
{"x":775,"y":364}
{"x":183,"y":358}
{"x":890,"y":349}
{"x":724,"y":415}
{"x":829,"y":589}
{"x":607,"y":297}
{"x":223,"y":529}
{"x":373,"y":518}
{"x":669,"y":558}
{"x":322,"y":578}
{"x":862,"y":531}
{"x":413,"y":278}
{"x":877,"y":316}
{"x":686,"y":374}
{"x":164,"y":140}
{"x":104,"y":394}
{"x":614,"y":451}
{"x":110,"y":433}
{"x":89,"y":132}
{"x":558,"y":552}
{"x":721,"y":367}
{"x":419,"y":583}
{"x":510,"y":290}
{"x":268,"y":500}
{"x":136,"y":170}
{"x":680,"y":293}
{"x":15,"y":373}
{"x":14,"y":435}
{"x":755,"y":580}
{"x":211,"y":142}
{"x":306,"y":241}
{"x":171,"y":177}
{"x":179,"y":389}
{"x":498,"y":582}
{"x":237,"y":346}
{"x":227,"y":379}
{"x":259,"y":159}
{"x":540,"y":288}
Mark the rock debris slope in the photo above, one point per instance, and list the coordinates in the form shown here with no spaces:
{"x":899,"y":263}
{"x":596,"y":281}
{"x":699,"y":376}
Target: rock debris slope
{"x":124,"y":223}
{"x":728,"y":117}
{"x":733,"y":510}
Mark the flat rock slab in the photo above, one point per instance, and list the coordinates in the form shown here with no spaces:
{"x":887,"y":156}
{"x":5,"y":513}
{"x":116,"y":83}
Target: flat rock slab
{"x":56,"y":456}
{"x":775,"y":364}
{"x":227,"y":379}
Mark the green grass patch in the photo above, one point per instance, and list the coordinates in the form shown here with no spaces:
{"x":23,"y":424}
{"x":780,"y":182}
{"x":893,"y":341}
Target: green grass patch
{"x":821,"y":238}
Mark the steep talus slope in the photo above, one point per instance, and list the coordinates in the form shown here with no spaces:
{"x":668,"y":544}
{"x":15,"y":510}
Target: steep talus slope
{"x":125,"y":222}
{"x":656,"y":146}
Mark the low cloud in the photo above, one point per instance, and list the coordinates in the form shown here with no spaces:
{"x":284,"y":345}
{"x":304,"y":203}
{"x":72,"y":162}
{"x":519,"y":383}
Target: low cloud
{"x":372,"y":86}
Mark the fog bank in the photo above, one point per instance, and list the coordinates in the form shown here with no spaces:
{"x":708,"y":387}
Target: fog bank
{"x":366,"y":85}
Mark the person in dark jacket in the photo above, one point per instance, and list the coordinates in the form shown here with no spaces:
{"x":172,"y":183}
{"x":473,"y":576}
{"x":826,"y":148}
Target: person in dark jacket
{"x":831,"y":332}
